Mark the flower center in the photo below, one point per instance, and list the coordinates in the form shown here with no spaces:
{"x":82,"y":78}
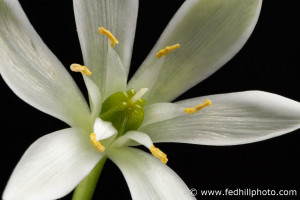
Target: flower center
{"x":124,"y":110}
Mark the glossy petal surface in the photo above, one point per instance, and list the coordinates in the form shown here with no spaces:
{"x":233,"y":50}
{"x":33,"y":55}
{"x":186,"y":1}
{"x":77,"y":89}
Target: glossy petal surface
{"x":234,"y":118}
{"x":147,"y":177}
{"x":119,"y":17}
{"x":210,"y":32}
{"x":33,"y":72}
{"x":52,"y":166}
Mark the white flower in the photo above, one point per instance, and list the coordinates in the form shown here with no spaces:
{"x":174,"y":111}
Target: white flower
{"x":210,"y":32}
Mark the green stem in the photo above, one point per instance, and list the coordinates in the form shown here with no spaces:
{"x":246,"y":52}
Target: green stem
{"x":86,"y":188}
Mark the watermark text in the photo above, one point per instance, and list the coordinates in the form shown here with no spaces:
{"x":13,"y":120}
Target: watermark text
{"x":243,"y":192}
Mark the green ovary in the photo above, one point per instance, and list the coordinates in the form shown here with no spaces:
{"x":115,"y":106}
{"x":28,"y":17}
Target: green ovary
{"x":124,"y":114}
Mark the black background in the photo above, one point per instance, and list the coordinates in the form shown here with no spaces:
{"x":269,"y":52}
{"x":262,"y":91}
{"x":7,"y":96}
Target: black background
{"x":269,"y":61}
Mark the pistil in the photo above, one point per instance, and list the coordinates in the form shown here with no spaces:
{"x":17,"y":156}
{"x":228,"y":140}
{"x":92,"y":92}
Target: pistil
{"x":138,"y":95}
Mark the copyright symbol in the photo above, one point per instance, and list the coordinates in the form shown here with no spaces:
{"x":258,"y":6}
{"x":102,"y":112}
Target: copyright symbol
{"x":193,"y":192}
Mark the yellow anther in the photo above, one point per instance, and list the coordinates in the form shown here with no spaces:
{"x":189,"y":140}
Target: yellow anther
{"x":96,"y":143}
{"x":80,"y":68}
{"x":111,"y":37}
{"x":167,"y":50}
{"x":198,"y":107}
{"x":159,"y":154}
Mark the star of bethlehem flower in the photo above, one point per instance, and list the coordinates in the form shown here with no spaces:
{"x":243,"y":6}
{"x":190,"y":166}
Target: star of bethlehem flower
{"x":202,"y":36}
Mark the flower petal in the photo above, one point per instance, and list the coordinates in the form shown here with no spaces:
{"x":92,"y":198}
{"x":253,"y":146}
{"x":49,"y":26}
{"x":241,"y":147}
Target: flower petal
{"x":210,"y":32}
{"x":103,"y":129}
{"x":161,"y":111}
{"x":135,"y":137}
{"x":94,"y":96}
{"x":115,"y":76}
{"x":158,"y":180}
{"x":33,"y":72}
{"x":119,"y":17}
{"x":52,"y":166}
{"x":234,"y":118}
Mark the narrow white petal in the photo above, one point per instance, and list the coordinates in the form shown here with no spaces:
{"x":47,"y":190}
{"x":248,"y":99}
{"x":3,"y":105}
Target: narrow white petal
{"x":119,"y":17}
{"x":52,"y":166}
{"x":149,"y":77}
{"x":33,"y":72}
{"x":210,"y":32}
{"x":147,"y":177}
{"x":115,"y":76}
{"x":94,"y":96}
{"x":161,"y":111}
{"x":103,"y":129}
{"x":137,"y":137}
{"x":234,"y":118}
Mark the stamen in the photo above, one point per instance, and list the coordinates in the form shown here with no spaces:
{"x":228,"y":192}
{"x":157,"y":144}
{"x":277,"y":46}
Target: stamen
{"x":159,"y":154}
{"x":96,"y":143}
{"x":111,"y":37}
{"x":80,"y":68}
{"x":198,"y":107}
{"x":138,"y":95}
{"x":167,"y":50}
